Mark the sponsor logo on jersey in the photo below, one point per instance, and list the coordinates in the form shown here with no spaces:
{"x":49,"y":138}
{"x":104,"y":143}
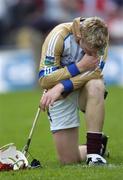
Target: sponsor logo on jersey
{"x":49,"y":60}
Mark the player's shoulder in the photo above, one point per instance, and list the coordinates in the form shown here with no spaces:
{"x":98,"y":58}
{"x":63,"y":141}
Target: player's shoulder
{"x":62,"y":29}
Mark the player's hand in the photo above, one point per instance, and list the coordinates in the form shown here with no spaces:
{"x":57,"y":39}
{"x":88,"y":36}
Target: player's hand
{"x":88,"y":63}
{"x":50,"y":96}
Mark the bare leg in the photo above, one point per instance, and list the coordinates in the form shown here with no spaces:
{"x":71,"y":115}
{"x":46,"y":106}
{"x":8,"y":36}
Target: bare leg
{"x":95,"y":106}
{"x":92,"y":100}
{"x":67,"y":146}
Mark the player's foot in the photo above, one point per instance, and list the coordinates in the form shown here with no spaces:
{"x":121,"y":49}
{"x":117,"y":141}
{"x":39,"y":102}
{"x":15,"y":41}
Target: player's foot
{"x":95,"y":160}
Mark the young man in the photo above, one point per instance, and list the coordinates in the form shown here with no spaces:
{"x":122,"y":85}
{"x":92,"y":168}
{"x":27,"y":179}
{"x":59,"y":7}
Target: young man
{"x":73,"y":56}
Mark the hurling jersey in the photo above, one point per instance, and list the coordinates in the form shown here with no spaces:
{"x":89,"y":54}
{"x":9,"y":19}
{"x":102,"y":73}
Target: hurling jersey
{"x":60,"y":53}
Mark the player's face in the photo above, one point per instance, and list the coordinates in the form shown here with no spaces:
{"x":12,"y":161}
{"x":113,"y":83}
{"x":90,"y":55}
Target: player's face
{"x":87,"y":49}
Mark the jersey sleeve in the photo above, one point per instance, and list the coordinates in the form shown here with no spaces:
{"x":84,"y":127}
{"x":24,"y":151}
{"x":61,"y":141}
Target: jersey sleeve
{"x":51,"y":72}
{"x":80,"y":80}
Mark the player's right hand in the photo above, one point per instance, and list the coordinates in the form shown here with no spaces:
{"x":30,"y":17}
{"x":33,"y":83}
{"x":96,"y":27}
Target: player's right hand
{"x":88,"y":63}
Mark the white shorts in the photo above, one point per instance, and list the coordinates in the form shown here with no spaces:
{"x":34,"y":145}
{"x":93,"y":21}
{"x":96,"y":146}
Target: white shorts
{"x":64,"y":113}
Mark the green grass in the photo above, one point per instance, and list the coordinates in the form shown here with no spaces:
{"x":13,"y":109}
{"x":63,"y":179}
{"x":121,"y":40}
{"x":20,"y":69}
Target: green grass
{"x":17,"y":111}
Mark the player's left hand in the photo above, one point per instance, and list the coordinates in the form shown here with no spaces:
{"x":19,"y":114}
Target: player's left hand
{"x":50,"y":96}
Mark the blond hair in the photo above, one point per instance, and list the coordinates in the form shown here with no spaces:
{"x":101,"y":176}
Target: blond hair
{"x":94,"y":33}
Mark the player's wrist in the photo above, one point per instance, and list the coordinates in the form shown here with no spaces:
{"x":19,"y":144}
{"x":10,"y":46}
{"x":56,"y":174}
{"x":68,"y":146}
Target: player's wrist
{"x":59,"y":87}
{"x":73,"y":69}
{"x":80,"y":67}
{"x":67,"y":84}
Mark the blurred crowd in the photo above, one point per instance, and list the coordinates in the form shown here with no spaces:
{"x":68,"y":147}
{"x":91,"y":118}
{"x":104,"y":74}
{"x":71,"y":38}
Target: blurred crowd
{"x":22,"y":19}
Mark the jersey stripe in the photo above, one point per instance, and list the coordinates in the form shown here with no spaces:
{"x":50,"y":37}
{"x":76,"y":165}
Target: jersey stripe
{"x":48,"y":49}
{"x":52,"y":43}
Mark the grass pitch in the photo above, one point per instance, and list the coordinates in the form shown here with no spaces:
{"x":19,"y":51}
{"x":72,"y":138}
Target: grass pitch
{"x":17,"y":111}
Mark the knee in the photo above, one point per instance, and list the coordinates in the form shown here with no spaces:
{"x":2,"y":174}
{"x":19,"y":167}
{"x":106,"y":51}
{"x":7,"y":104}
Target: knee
{"x":95,"y":89}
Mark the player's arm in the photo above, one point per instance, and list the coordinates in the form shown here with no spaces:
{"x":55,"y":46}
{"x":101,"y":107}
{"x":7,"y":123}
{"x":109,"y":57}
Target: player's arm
{"x":78,"y":81}
{"x":72,"y":70}
{"x":65,"y":87}
{"x":50,"y":58}
{"x":51,"y":71}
